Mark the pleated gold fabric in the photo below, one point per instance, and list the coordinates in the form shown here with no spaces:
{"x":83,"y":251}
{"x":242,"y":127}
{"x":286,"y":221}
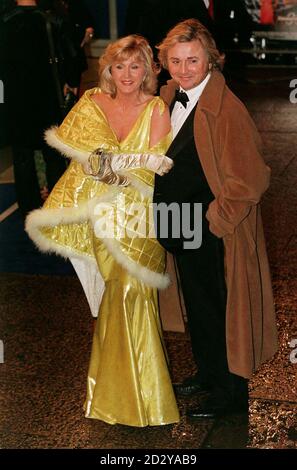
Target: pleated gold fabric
{"x":83,"y":200}
{"x":128,"y":379}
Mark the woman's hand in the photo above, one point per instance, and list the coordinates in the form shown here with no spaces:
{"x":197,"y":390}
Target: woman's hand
{"x":159,"y":164}
{"x":107,"y":166}
{"x":99,"y":166}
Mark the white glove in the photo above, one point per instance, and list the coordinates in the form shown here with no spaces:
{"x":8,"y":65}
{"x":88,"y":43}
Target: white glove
{"x":105,"y":166}
{"x":99,"y":166}
{"x":159,"y":164}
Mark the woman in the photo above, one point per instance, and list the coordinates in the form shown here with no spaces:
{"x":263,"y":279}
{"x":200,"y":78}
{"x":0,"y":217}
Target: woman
{"x":100,"y":223}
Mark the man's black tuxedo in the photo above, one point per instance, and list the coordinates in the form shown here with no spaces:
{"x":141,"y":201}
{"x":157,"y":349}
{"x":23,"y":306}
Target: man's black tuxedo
{"x":186,"y":181}
{"x":201,"y":270}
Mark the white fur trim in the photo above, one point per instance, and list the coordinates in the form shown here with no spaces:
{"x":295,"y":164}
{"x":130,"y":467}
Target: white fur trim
{"x":53,"y":140}
{"x":150,"y":278}
{"x":52,"y":217}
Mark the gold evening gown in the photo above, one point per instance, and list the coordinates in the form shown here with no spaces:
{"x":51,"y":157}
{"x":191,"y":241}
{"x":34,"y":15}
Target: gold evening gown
{"x":128,"y":379}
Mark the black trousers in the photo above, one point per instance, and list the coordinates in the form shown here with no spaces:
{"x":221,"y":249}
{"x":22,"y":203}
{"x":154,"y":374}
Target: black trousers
{"x":26,"y":181}
{"x":204,"y":289}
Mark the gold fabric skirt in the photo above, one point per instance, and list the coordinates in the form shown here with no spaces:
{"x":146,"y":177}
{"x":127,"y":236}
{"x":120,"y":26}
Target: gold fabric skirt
{"x":128,"y":379}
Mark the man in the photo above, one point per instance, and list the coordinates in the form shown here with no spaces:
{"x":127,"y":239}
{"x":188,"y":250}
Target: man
{"x":153,"y":18}
{"x":31,"y":93}
{"x":226,"y":282}
{"x":80,"y":24}
{"x":6,"y":5}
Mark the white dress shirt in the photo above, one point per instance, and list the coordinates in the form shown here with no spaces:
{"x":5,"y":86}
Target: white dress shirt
{"x":179,"y":113}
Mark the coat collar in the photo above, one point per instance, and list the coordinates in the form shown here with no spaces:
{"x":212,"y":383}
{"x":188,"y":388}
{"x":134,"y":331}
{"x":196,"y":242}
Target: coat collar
{"x":167,"y":92}
{"x":212,"y":95}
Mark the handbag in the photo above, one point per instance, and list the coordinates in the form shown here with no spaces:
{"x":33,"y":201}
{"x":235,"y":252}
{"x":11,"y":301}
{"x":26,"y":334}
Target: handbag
{"x":67,"y":102}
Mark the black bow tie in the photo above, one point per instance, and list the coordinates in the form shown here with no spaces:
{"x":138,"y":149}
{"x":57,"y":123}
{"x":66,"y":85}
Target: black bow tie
{"x":182,"y":97}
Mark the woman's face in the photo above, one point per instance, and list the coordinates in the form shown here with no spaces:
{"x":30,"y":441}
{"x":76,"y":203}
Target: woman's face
{"x":128,"y":74}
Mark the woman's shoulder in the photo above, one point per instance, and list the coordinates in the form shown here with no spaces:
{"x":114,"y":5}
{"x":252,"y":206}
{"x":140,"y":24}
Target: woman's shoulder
{"x":96,"y":96}
{"x":157,"y":104}
{"x":160,"y":119}
{"x":93,"y":92}
{"x":88,"y":105}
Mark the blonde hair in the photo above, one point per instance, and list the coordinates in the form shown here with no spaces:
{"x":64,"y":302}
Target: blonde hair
{"x":122,"y":49}
{"x":186,"y":31}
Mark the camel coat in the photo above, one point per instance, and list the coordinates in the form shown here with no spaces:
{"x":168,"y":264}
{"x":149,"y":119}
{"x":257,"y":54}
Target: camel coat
{"x":229,"y":147}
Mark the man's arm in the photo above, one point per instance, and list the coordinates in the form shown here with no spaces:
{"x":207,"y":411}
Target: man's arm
{"x":246,"y":176}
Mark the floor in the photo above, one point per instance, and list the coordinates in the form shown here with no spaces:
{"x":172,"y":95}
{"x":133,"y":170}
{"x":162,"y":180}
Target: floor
{"x":46,"y":328}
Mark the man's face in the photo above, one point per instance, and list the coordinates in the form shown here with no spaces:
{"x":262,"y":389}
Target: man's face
{"x":188,"y":63}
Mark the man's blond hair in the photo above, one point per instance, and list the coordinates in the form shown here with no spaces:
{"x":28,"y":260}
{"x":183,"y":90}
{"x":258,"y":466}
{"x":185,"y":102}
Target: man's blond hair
{"x":186,"y":31}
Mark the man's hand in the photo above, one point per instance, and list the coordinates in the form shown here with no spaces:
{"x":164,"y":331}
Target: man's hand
{"x":89,"y":33}
{"x":67,"y":88}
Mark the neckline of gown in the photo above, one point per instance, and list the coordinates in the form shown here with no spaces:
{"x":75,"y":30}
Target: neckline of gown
{"x":97,"y":107}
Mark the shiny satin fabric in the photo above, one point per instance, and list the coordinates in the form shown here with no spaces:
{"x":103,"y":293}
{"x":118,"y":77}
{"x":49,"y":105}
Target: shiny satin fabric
{"x":86,"y":128}
{"x":128,"y":379}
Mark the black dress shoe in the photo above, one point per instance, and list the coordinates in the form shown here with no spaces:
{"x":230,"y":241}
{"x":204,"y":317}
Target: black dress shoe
{"x":191,"y":386}
{"x":211,"y":410}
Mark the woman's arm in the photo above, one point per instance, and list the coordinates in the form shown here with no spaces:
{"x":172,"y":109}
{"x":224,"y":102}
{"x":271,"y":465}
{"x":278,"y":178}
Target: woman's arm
{"x":160,"y":124}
